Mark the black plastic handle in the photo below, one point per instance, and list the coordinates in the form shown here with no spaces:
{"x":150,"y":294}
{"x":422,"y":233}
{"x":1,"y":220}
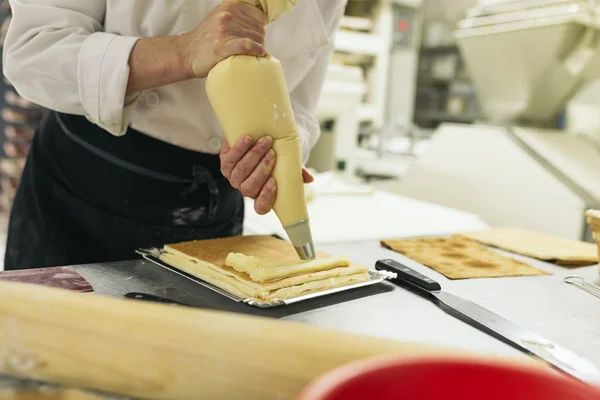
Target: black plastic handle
{"x":151,"y":297}
{"x":408,"y":275}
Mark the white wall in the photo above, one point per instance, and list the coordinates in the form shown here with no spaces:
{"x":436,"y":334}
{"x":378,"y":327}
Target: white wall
{"x":583,"y":113}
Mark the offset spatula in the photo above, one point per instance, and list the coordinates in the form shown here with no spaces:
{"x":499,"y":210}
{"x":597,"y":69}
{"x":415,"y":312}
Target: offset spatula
{"x":492,"y":324}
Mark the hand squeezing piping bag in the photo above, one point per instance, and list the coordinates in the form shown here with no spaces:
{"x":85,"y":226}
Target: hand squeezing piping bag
{"x":249,"y":96}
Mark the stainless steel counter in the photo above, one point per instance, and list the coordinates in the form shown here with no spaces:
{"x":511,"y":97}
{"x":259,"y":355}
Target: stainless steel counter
{"x":546,"y":304}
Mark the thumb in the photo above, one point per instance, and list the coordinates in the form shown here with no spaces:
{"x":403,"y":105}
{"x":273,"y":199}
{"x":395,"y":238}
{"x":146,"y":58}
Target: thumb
{"x":307,"y":176}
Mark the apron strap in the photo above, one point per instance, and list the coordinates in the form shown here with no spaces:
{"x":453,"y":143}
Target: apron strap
{"x":117,"y":161}
{"x":200,"y":175}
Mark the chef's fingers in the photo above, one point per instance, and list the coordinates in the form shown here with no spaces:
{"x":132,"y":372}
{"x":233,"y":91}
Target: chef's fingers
{"x":224,"y":147}
{"x":243,"y":21}
{"x":241,"y":32}
{"x":250,"y":161}
{"x":252,"y":186}
{"x":232,"y":156}
{"x":307,"y":176}
{"x":264,"y":202}
{"x":247,"y":10}
{"x":244,"y":46}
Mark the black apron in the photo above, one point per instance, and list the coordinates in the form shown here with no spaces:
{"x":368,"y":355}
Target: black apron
{"x":87,"y":196}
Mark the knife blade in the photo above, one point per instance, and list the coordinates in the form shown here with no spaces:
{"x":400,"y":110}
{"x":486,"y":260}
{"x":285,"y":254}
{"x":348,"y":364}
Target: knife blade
{"x":493,"y":324}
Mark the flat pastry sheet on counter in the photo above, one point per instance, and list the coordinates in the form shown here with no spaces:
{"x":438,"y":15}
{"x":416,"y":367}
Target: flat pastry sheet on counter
{"x":261,"y":267}
{"x":458,"y":257}
{"x":538,"y":245}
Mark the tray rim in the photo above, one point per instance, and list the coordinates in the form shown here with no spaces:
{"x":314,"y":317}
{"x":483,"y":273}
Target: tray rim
{"x":375,"y":277}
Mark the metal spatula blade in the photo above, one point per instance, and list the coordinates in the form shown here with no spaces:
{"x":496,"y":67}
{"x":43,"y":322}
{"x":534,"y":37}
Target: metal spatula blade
{"x":493,"y":324}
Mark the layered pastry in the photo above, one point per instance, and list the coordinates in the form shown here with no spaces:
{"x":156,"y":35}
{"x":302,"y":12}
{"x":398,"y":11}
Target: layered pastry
{"x":260,"y":268}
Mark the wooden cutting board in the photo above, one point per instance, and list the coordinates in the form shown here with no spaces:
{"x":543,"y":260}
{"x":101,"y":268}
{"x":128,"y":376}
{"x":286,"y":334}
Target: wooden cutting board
{"x":154,"y":351}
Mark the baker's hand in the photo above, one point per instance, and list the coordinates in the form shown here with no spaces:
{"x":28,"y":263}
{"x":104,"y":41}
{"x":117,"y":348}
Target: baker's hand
{"x":248,"y":168}
{"x":231,"y":28}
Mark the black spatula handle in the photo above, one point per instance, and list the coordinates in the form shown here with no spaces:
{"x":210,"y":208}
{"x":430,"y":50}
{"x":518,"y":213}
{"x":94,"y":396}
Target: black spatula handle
{"x":408,"y":275}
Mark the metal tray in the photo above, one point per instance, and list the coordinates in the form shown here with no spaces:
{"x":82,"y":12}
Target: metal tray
{"x":375,"y":277}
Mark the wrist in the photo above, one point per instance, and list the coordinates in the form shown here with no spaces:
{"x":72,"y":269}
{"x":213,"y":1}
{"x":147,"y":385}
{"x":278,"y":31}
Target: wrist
{"x":156,"y":62}
{"x":183,"y":59}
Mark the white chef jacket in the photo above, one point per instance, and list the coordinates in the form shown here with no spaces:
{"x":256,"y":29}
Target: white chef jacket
{"x":72,"y":56}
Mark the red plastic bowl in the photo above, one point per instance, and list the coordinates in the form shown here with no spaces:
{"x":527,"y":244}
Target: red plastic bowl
{"x":447,"y":379}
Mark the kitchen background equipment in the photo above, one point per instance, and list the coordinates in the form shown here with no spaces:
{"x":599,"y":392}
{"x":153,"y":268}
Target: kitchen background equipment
{"x":583,"y":285}
{"x":526,"y":62}
{"x":492,"y":324}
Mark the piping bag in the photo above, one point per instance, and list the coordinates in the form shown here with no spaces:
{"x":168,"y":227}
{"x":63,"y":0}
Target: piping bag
{"x":249,"y":96}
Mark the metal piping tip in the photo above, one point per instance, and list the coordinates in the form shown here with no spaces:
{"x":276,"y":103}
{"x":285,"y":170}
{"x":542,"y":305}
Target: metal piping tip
{"x":306,"y":252}
{"x":301,"y":238}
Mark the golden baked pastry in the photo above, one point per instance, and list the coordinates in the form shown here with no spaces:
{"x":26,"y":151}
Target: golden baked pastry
{"x":264,"y":271}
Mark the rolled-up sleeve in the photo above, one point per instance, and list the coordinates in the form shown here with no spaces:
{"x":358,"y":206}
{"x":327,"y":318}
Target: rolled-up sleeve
{"x":57,"y":55}
{"x":305,"y":96}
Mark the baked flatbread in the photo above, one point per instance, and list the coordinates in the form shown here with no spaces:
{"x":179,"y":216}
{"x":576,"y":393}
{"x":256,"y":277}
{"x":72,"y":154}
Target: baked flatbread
{"x":459,"y":257}
{"x":538,"y":245}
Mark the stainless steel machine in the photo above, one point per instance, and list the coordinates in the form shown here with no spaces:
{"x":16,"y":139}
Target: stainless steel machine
{"x":370,"y":83}
{"x":527,"y":60}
